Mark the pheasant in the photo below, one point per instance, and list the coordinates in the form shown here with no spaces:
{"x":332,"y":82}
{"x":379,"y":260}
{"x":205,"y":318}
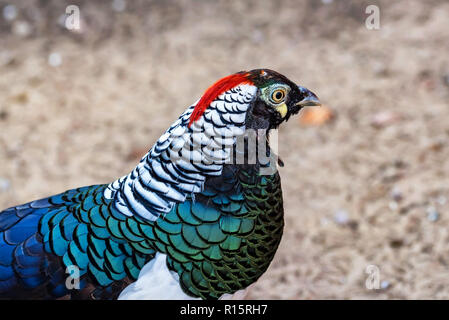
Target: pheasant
{"x":190,"y":221}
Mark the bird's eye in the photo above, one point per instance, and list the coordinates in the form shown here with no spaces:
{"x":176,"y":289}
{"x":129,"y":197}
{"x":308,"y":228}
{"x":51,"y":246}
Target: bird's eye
{"x":278,"y":95}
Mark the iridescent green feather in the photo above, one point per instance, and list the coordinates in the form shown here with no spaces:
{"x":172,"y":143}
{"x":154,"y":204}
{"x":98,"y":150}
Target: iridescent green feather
{"x":231,"y":246}
{"x":218,"y":242}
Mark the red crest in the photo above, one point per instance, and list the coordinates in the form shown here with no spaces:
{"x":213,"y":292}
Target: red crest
{"x":222,"y":85}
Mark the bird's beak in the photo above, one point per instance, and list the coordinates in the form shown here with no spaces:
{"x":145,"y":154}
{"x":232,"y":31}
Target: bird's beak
{"x":310,"y":99}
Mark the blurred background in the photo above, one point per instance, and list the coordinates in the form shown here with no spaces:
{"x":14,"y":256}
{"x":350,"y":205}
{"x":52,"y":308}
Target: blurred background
{"x":365,"y":180}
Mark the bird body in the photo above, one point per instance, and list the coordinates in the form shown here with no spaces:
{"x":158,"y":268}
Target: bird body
{"x":187,"y":222}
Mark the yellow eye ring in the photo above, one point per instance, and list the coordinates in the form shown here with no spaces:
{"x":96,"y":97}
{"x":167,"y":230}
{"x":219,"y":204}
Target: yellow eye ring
{"x":278,"y":95}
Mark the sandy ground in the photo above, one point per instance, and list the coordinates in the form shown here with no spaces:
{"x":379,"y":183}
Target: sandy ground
{"x":368,"y":188}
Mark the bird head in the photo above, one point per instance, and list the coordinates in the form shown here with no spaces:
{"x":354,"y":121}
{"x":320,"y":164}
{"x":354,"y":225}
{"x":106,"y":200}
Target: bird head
{"x":211,"y":133}
{"x":273,"y":98}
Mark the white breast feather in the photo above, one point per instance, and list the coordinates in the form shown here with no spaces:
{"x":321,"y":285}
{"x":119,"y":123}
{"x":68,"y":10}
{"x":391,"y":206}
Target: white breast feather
{"x":155,"y":282}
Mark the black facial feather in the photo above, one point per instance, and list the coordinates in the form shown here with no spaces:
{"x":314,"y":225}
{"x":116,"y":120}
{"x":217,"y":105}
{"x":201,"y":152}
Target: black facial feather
{"x":263,"y":116}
